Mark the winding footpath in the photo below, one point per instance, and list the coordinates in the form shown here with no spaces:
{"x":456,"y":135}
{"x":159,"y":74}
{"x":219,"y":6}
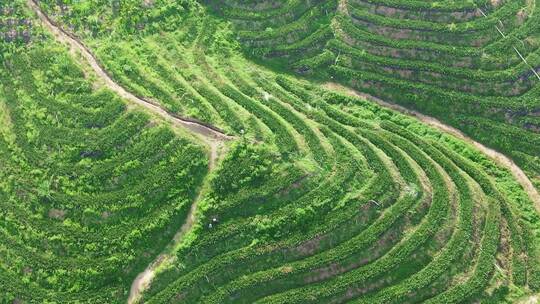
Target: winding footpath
{"x":206,"y":132}
{"x":144,"y":279}
{"x":215,"y":139}
{"x":210,"y":135}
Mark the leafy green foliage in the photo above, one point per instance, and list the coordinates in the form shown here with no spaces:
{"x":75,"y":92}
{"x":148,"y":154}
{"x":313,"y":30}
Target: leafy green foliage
{"x":101,"y":17}
{"x":320,"y":198}
{"x":445,"y":59}
{"x":90,"y":189}
{"x":246,"y":166}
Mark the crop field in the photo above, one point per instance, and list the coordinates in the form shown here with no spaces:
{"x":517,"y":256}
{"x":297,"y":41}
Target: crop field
{"x":294,"y":151}
{"x":473,"y":64}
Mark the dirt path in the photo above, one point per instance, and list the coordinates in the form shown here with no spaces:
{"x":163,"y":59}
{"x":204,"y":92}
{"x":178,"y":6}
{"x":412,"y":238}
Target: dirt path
{"x":208,"y":133}
{"x":534,"y":299}
{"x":144,"y":279}
{"x":211,"y":135}
{"x":498,"y":157}
{"x":343,"y":7}
{"x":214,"y":138}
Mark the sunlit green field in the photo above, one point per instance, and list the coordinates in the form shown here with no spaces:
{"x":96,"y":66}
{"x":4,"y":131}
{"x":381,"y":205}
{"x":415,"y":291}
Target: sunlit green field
{"x":309,"y":193}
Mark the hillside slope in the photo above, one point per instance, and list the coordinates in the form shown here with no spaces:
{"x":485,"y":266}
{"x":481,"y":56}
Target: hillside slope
{"x":319,"y":196}
{"x":472,"y":64}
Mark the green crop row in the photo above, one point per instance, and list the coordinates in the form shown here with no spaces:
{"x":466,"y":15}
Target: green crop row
{"x":445,"y":6}
{"x":504,"y":12}
{"x":348,"y":248}
{"x":100,"y":186}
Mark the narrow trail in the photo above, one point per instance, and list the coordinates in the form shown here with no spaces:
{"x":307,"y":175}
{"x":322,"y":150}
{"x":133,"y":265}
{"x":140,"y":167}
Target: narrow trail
{"x":498,"y":157}
{"x":213,"y":137}
{"x":144,"y":279}
{"x":206,"y":132}
{"x":343,"y":7}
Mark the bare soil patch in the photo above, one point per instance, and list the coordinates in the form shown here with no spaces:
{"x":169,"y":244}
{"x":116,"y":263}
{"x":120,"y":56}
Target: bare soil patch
{"x":57,"y":214}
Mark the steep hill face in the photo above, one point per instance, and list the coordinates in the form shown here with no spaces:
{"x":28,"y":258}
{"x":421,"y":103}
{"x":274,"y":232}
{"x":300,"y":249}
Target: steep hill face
{"x":472,"y":64}
{"x":306,"y":194}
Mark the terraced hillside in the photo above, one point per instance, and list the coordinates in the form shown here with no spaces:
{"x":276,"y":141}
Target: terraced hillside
{"x":316,"y":196}
{"x":90,"y":190}
{"x":473,"y":64}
